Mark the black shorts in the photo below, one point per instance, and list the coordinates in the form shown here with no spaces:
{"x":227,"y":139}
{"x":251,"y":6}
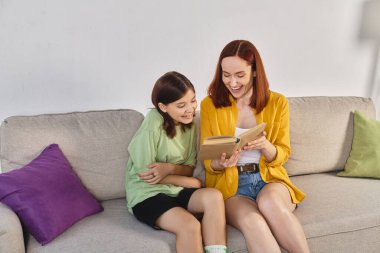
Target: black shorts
{"x":149,"y":210}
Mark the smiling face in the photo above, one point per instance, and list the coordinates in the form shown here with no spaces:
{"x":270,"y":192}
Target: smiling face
{"x":183,"y":109}
{"x":237,"y":76}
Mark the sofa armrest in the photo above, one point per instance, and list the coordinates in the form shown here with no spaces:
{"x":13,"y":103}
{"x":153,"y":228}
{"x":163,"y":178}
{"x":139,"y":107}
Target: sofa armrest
{"x":11,"y":236}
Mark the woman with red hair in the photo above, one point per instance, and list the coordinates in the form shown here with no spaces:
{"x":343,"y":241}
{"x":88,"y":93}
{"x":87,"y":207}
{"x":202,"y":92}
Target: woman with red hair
{"x":259,"y":196}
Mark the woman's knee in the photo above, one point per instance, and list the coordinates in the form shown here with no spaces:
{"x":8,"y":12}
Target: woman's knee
{"x":271,"y":205}
{"x":275,"y":198}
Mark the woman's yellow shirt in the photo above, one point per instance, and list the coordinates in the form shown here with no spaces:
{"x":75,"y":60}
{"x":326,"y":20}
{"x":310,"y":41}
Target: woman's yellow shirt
{"x":222,"y":121}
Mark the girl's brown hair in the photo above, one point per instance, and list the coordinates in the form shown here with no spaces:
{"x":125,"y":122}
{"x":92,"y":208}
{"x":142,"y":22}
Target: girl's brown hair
{"x":248,"y":52}
{"x":169,"y":88}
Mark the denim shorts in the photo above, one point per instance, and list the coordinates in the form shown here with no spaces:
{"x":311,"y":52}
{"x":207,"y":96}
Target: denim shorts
{"x":250,"y":184}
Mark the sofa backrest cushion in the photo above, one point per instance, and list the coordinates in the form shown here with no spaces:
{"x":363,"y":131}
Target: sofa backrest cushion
{"x":321,"y":132}
{"x":95,"y":143}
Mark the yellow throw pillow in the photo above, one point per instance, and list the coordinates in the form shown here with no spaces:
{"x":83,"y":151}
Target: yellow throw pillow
{"x":364,"y":159}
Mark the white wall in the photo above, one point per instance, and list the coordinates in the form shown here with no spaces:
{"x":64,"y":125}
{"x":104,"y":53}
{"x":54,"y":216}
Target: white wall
{"x":77,"y":55}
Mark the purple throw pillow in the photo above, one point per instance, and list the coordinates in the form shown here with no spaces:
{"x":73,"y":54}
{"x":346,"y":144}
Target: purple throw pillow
{"x":47,"y":195}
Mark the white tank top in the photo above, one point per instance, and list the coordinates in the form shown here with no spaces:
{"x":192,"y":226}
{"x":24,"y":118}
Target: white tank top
{"x":249,"y":156}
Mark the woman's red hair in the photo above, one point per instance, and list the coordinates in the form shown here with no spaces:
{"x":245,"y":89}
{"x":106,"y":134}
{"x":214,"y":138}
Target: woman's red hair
{"x":248,"y":52}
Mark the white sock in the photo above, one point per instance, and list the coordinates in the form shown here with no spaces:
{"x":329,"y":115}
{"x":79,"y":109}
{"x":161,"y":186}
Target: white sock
{"x":215,"y":249}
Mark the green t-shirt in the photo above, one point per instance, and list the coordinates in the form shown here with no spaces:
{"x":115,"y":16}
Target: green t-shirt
{"x":149,"y":145}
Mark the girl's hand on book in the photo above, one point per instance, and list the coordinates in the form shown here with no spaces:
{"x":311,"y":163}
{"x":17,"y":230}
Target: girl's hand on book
{"x":224,"y":162}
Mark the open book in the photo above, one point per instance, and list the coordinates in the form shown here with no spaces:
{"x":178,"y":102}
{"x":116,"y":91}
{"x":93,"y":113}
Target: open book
{"x":213,"y":147}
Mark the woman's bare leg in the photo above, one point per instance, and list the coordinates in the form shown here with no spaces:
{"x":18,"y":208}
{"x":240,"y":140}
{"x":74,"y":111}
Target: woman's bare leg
{"x":243,"y":214}
{"x":274,"y":202}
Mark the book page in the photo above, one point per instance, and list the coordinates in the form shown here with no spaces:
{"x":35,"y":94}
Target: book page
{"x":220,"y":139}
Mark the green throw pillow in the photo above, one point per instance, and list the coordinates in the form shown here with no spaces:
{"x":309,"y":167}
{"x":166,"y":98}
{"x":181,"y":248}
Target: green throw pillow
{"x":364,"y":160}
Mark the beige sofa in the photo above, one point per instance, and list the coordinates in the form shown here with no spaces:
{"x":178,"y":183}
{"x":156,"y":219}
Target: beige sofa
{"x":338,"y":214}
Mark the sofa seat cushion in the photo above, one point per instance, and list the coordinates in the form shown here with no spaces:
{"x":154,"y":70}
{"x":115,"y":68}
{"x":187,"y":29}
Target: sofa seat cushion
{"x":115,"y":230}
{"x":336,"y":205}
